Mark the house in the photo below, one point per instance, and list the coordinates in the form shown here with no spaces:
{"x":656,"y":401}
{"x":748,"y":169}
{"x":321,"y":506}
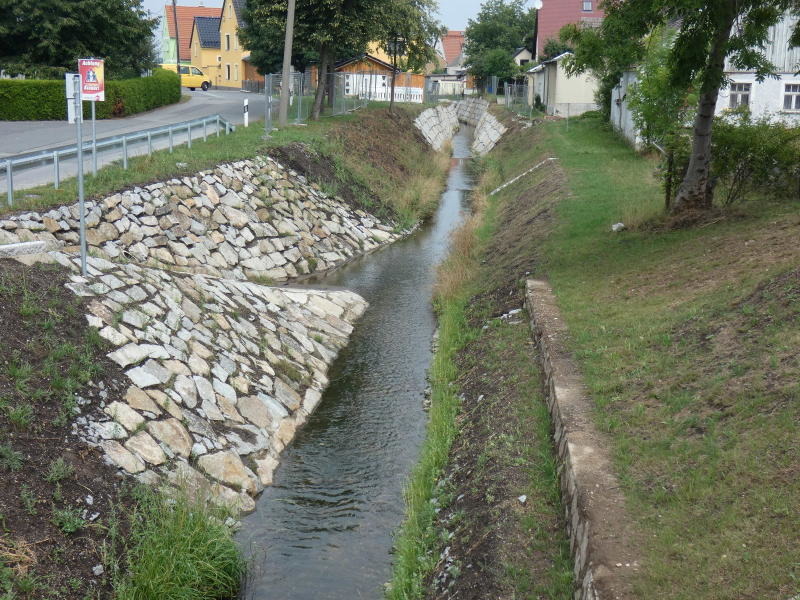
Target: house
{"x":774,"y":97}
{"x":205,"y":49}
{"x":366,"y":75}
{"x":234,"y":61}
{"x":561,"y":94}
{"x":777,"y":98}
{"x":522,"y":56}
{"x":554,"y":14}
{"x":186,"y":15}
{"x":451,"y":47}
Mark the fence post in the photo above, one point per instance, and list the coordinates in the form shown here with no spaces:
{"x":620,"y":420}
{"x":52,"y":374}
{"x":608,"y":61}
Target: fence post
{"x":268,"y":105}
{"x":170,"y":139}
{"x":56,"y":169}
{"x":125,"y":152}
{"x":149,"y":144}
{"x":217,"y":125}
{"x":205,"y":130}
{"x":10,"y":180}
{"x":189,"y":134}
{"x":94,"y":140}
{"x":299,"y":98}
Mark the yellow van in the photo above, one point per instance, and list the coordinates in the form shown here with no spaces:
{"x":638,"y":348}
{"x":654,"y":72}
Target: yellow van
{"x":191,"y":77}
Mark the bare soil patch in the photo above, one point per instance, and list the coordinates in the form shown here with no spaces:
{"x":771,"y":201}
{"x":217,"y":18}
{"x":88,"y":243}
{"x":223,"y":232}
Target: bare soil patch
{"x":57,"y":493}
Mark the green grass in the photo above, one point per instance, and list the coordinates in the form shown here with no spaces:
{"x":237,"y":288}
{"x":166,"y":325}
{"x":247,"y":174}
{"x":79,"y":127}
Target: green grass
{"x":176,"y":550}
{"x":688,"y":341}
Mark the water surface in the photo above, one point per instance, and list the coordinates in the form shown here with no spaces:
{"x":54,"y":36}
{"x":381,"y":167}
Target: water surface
{"x":324,"y":529}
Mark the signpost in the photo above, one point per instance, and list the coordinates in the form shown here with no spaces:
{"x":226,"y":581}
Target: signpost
{"x":81,"y":200}
{"x":93,"y":89}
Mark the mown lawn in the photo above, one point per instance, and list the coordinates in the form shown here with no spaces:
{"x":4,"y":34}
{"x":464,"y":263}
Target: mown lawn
{"x":689,"y":344}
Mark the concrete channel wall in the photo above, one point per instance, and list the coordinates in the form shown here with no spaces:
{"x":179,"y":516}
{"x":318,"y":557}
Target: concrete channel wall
{"x":600,"y":533}
{"x":439,"y":124}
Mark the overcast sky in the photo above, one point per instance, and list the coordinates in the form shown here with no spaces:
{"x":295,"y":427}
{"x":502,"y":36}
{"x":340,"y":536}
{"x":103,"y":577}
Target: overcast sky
{"x":452,"y":13}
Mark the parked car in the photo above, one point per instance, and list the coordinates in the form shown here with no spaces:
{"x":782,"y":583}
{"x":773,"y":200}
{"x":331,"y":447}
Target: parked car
{"x":191,"y":77}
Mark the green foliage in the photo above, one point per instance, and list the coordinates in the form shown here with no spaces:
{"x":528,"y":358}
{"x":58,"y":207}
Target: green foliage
{"x":9,"y":458}
{"x":14,"y":69}
{"x":414,"y":22}
{"x":31,"y":100}
{"x":58,"y":32}
{"x":491,"y":38}
{"x":179,"y":550}
{"x":68,"y":520}
{"x":553,"y":48}
{"x":58,"y":470}
{"x":659,"y":107}
{"x":755,"y":155}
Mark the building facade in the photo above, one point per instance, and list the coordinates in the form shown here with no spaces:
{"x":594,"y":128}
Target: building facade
{"x":554,"y":14}
{"x":186,"y":15}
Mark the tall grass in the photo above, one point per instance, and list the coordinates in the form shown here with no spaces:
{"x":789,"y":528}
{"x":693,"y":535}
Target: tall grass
{"x":177,"y":549}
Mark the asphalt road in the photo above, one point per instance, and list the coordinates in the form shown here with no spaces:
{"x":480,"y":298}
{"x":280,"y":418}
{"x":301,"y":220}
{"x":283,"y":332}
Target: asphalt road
{"x":18,"y":137}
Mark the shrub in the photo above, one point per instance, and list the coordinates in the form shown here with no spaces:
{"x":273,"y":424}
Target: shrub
{"x":33,"y":71}
{"x":179,"y":550}
{"x":40,"y":100}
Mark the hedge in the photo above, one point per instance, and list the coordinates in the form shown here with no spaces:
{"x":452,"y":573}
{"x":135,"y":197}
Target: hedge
{"x":36,"y":100}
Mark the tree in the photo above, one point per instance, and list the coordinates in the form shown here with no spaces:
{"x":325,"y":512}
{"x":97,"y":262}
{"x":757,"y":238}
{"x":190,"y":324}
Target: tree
{"x":711,"y":32}
{"x":500,"y":27}
{"x":328,"y":28}
{"x":553,"y":48}
{"x":58,"y":32}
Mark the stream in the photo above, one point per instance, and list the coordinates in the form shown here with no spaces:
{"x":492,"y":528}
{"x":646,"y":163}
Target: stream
{"x":324,"y":529}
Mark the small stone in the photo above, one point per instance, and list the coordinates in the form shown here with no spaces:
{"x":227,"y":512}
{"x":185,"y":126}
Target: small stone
{"x":138,"y":399}
{"x":122,"y":457}
{"x":124,"y":415}
{"x":98,"y":570}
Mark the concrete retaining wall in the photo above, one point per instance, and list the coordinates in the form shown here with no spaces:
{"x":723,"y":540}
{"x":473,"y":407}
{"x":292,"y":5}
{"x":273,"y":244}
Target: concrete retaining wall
{"x":439,"y":124}
{"x":600,"y":531}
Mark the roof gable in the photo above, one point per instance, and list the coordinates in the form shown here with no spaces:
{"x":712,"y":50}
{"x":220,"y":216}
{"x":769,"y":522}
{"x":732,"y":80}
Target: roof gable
{"x":186,"y":15}
{"x":452,"y":45}
{"x":367,"y":57}
{"x":207,"y":29}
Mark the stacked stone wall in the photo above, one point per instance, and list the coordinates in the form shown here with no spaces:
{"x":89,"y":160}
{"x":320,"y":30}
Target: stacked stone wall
{"x":218,"y":373}
{"x":248,"y":219}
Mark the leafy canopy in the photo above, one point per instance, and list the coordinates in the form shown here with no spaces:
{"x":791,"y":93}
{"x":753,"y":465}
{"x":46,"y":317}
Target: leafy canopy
{"x":56,"y":33}
{"x":501,"y":26}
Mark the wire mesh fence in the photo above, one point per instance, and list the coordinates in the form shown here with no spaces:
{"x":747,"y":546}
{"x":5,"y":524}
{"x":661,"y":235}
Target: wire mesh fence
{"x":517,"y":99}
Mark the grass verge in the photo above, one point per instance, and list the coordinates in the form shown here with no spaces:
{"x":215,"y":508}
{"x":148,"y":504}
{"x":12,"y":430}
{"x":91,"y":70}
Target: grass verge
{"x":689,"y":342}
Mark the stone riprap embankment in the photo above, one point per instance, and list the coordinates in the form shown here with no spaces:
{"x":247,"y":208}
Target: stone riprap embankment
{"x":439,"y":124}
{"x":219,"y":373}
{"x":248,"y":219}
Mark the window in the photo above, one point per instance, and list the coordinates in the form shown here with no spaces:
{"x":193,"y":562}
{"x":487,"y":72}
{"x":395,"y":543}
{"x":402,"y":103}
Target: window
{"x":195,"y":49}
{"x":587,"y":5}
{"x":228,"y":72}
{"x":740,"y":95}
{"x":227,"y":41}
{"x":791,"y":97}
{"x":524,"y":61}
{"x":236,"y":72}
{"x":184,"y":70}
{"x":196,"y":71}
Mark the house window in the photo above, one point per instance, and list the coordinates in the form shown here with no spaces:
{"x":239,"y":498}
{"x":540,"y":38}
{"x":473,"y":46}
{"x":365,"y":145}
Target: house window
{"x":791,"y":97}
{"x":230,"y":10}
{"x":587,"y":5}
{"x":236,"y":72}
{"x":524,"y":61}
{"x":228,"y":72}
{"x":740,"y":95}
{"x":227,"y":41}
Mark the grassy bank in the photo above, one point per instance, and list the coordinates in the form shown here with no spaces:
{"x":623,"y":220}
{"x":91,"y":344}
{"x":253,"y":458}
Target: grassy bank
{"x":689,"y":342}
{"x":483,"y":508}
{"x":370,"y":158}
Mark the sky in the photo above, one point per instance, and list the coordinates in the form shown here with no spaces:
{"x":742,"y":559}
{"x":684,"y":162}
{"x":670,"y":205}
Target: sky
{"x":452,"y":13}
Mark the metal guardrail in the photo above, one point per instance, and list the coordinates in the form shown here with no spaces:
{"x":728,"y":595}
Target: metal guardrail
{"x":55,"y":155}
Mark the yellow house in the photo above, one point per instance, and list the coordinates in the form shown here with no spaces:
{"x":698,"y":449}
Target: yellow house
{"x":216,"y":49}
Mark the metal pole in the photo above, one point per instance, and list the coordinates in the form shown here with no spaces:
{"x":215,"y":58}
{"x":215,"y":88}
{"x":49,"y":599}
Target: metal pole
{"x":170,"y":139}
{"x":55,"y":170}
{"x":10,"y":180}
{"x":299,"y":97}
{"x":94,"y":142}
{"x":81,"y":199}
{"x":189,"y":133}
{"x":246,"y":111}
{"x":149,"y":144}
{"x":125,"y":152}
{"x":205,"y":129}
{"x":217,"y":125}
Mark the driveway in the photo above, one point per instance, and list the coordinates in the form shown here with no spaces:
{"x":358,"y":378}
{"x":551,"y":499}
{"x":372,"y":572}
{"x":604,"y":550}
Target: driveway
{"x":17,"y":137}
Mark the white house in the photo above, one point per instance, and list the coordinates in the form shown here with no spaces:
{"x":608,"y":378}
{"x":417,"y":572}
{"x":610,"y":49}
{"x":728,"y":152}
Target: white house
{"x":522,"y":56}
{"x":776,"y":97}
{"x":561,"y":94}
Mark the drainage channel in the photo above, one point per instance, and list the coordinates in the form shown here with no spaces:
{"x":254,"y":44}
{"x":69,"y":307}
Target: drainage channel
{"x":324,"y":528}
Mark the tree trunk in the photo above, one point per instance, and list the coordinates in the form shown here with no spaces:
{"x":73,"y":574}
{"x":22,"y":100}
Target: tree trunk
{"x":322,"y":79}
{"x":330,"y":87}
{"x":394,"y":74}
{"x":286,"y":82}
{"x":696,"y":192}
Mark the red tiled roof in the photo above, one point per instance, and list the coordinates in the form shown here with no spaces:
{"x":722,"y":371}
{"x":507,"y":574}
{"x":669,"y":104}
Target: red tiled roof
{"x":186,"y":15}
{"x":452,"y":44}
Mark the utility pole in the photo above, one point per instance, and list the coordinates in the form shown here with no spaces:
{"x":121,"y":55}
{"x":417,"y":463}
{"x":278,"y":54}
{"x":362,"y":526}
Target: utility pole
{"x":283,"y":107}
{"x":177,"y":40}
